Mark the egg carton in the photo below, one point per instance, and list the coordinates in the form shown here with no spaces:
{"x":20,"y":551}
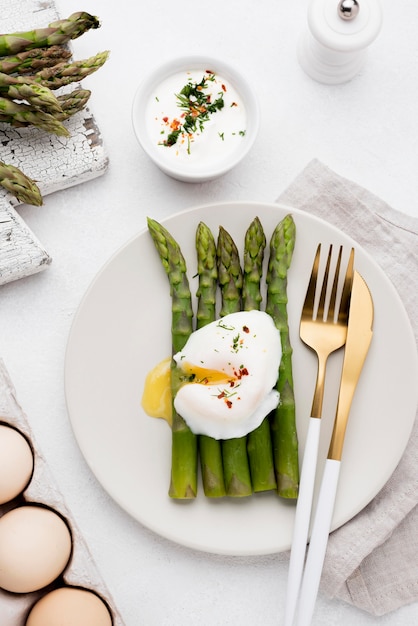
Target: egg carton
{"x":81,"y":570}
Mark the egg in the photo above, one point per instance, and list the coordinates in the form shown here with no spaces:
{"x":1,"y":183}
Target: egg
{"x":35,"y":547}
{"x":16,"y":463}
{"x":69,"y":606}
{"x":227,"y":373}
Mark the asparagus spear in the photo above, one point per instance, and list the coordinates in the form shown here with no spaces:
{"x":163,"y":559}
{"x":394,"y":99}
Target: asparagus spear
{"x":57,"y":33}
{"x":210,"y":449}
{"x":66,"y":73}
{"x":26,"y":114}
{"x":70,"y":104}
{"x":31,"y":61}
{"x":20,"y":185}
{"x":254,"y":246}
{"x":19,"y":88}
{"x":234,"y":451}
{"x":259,"y":445}
{"x":283,"y":422}
{"x":183,"y":483}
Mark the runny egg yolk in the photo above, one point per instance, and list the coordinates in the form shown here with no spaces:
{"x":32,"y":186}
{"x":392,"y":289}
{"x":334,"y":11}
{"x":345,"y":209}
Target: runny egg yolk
{"x":157,"y":398}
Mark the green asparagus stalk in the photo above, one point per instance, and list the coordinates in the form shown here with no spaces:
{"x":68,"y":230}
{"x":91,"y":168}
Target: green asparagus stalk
{"x":22,"y":113}
{"x":234,"y":451}
{"x":183,"y":484}
{"x":259,"y":445}
{"x":283,"y":421}
{"x":21,"y":186}
{"x":19,"y":88}
{"x":66,"y":73}
{"x":32,"y":61}
{"x":210,"y":450}
{"x":57,"y":33}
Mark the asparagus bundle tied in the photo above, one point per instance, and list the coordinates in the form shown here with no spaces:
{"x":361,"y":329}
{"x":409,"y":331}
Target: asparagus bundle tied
{"x":210,"y":450}
{"x":259,"y":446}
{"x":234,"y":451}
{"x":183,"y":483}
{"x":283,"y":421}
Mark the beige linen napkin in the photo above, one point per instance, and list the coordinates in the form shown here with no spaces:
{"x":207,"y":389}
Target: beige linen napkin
{"x":372,"y":561}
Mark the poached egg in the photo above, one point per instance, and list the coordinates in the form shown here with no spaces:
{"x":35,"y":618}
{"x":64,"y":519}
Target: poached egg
{"x":227,"y":372}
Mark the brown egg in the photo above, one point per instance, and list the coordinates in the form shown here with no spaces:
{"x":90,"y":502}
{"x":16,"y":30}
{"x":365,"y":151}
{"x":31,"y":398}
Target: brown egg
{"x":16,"y":463}
{"x":69,"y":606}
{"x":35,"y":547}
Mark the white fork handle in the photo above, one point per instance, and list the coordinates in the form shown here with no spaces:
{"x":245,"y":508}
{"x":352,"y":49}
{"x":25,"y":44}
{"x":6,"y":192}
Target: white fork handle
{"x":318,"y":542}
{"x":302,"y":519}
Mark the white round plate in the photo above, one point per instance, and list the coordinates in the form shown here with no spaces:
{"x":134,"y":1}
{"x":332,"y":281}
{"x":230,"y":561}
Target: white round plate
{"x":122,"y":329}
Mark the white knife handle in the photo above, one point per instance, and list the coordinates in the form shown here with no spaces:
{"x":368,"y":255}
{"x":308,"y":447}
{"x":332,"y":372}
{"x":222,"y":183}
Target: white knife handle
{"x":302,"y":519}
{"x":318,"y":543}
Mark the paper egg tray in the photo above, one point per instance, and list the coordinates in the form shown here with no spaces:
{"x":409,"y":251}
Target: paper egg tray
{"x":81,"y":570}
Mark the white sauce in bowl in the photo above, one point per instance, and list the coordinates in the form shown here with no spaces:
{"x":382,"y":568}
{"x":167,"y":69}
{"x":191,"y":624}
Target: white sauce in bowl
{"x":217,"y":135}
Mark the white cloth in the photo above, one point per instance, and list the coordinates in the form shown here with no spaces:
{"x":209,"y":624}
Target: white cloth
{"x":372,"y":561}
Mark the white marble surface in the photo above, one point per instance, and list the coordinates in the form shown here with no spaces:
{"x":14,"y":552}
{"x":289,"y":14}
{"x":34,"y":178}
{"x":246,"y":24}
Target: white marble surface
{"x":365,"y":130}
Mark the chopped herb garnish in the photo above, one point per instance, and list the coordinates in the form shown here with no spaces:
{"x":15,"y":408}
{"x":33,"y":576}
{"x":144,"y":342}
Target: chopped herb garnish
{"x":197,"y":107}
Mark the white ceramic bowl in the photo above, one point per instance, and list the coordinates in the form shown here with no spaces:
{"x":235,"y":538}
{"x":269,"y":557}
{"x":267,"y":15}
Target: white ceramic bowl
{"x":220,"y":145}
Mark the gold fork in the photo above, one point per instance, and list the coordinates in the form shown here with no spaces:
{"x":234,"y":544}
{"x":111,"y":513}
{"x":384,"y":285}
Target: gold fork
{"x":324,"y":330}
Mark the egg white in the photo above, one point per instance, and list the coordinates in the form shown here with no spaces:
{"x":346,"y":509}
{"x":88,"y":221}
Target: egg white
{"x":245,"y":349}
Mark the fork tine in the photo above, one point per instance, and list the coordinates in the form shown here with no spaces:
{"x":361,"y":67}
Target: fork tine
{"x":345,"y":296}
{"x":321,"y":305}
{"x":308,"y":305}
{"x":333,"y":298}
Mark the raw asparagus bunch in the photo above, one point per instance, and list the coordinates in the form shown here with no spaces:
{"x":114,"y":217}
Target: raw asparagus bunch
{"x":234,"y":451}
{"x":184,"y":443}
{"x":210,"y":450}
{"x":283,"y":422}
{"x":57,"y":33}
{"x":22,"y":187}
{"x":32,"y":61}
{"x":259,"y":445}
{"x":35,"y":62}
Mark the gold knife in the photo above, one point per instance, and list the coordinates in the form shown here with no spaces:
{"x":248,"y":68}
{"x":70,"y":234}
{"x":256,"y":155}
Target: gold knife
{"x":359,"y":336}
